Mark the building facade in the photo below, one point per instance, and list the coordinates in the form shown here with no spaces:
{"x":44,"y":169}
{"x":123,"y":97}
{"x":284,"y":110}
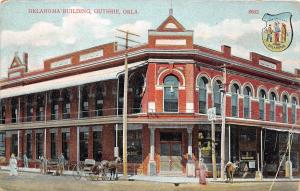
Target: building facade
{"x":74,"y":106}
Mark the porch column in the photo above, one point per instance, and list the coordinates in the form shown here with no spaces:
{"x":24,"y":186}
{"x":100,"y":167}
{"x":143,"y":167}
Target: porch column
{"x":190,"y":166}
{"x":18,"y":154}
{"x":152,"y":163}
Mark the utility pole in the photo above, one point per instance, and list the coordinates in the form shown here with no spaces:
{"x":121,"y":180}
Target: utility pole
{"x":125,"y":98}
{"x":223,"y":105}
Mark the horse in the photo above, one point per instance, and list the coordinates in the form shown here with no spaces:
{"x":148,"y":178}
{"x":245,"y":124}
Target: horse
{"x":230,"y":169}
{"x":111,"y":166}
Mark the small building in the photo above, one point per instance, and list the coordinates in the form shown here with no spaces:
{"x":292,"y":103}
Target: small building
{"x":74,"y":106}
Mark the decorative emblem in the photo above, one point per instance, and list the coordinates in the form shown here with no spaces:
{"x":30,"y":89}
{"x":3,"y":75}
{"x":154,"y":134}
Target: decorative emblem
{"x":277,"y":35}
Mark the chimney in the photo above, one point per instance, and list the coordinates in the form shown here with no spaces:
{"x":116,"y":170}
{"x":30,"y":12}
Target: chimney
{"x":25,"y":58}
{"x":226,"y":50}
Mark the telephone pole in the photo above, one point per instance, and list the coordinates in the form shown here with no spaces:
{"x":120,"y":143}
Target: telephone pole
{"x":223,"y":114}
{"x":125,"y":98}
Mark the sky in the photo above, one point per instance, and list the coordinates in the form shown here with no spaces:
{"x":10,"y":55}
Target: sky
{"x":45,"y":35}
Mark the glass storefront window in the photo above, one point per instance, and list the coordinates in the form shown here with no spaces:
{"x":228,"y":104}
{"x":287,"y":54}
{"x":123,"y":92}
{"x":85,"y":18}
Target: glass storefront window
{"x":97,"y":145}
{"x":66,"y":145}
{"x":134,"y":146}
{"x":29,"y":145}
{"x":53,"y":145}
{"x":14,"y":144}
{"x":39,"y":144}
{"x":83,"y":141}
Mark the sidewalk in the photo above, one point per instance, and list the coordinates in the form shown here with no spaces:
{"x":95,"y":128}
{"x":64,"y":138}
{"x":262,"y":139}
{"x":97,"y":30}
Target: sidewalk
{"x":168,"y":179}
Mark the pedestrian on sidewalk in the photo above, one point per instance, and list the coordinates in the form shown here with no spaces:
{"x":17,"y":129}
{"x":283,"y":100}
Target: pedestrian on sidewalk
{"x":61,"y":164}
{"x":25,"y":160}
{"x":202,"y":172}
{"x":13,"y":165}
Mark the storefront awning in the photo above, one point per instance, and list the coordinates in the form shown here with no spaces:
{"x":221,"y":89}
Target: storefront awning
{"x":74,"y":80}
{"x":283,"y":129}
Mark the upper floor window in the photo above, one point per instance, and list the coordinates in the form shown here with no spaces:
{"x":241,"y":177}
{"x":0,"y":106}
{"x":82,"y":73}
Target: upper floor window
{"x":235,"y":90}
{"x":85,"y":102}
{"x":262,"y":97}
{"x":40,"y":108}
{"x":54,"y":104}
{"x":272,"y":106}
{"x":217,"y":96}
{"x":171,"y":94}
{"x":202,"y":83}
{"x":99,"y":100}
{"x":247,"y":107}
{"x":14,"y":110}
{"x":29,"y":108}
{"x":137,"y":91}
{"x":2,"y":112}
{"x":294,"y":110}
{"x":285,"y":101}
{"x":66,"y":104}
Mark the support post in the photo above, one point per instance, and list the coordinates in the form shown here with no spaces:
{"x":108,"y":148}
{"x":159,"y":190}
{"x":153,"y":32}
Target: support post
{"x":229,"y":143}
{"x":190,"y":168}
{"x":213,"y":149}
{"x":77,"y":133}
{"x":152,"y":163}
{"x":45,"y":143}
{"x":18,"y":155}
{"x":288,"y":163}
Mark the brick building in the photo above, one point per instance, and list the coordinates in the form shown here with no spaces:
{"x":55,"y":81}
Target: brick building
{"x":74,"y":106}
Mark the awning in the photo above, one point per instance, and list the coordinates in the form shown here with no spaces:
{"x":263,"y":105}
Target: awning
{"x":283,"y":129}
{"x":74,"y":80}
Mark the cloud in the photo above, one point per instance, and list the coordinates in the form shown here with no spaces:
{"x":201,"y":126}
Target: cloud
{"x":229,"y":28}
{"x":139,"y":27}
{"x":74,"y":28}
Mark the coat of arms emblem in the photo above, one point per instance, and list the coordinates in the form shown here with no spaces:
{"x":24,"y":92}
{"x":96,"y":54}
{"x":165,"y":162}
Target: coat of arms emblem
{"x":277,"y":35}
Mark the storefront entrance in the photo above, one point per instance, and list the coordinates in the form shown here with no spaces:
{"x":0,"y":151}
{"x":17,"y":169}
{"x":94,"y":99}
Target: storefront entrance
{"x":170,"y":152}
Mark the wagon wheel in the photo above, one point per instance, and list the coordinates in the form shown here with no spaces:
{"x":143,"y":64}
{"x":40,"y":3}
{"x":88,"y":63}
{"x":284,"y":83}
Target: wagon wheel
{"x":77,"y":172}
{"x":104,"y":175}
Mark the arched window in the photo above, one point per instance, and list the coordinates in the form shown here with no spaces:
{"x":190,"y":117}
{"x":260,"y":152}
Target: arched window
{"x":272,"y":106}
{"x":85,"y":101}
{"x":247,"y":95}
{"x":217,"y":96}
{"x":294,"y":110}
{"x":285,"y":101}
{"x":262,"y":97}
{"x":171,"y":94}
{"x":99,"y":100}
{"x":2,"y":112}
{"x":137,"y":93}
{"x":66,"y":105}
{"x":235,"y":90}
{"x":202,"y":83}
{"x":54,"y":105}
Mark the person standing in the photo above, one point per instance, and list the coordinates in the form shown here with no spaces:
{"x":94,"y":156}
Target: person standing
{"x":202,"y":171}
{"x":25,"y":160}
{"x":61,"y":164}
{"x":277,"y":31}
{"x":13,"y":164}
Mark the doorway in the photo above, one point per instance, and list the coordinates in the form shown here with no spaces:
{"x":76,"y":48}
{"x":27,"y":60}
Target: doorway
{"x":171,"y":152}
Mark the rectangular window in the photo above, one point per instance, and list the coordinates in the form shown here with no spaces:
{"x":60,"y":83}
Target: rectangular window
{"x":40,"y":114}
{"x":66,"y":145}
{"x":261,"y":109}
{"x":134,"y":146}
{"x":83,"y":142}
{"x":2,"y":144}
{"x":29,"y":145}
{"x":29,"y":113}
{"x":39,"y":144}
{"x":234,"y":103}
{"x":53,"y":145}
{"x":14,"y":144}
{"x":14,"y":114}
{"x":284,"y":113}
{"x":246,"y":107}
{"x":202,"y":101}
{"x":217,"y":102}
{"x":99,"y":107}
{"x":171,"y":99}
{"x":272,"y":110}
{"x":67,"y":111}
{"x":2,"y":114}
{"x":54,"y":112}
{"x":97,"y":146}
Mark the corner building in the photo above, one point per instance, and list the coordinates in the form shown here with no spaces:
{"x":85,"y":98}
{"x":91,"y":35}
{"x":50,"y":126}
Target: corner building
{"x":74,"y":106}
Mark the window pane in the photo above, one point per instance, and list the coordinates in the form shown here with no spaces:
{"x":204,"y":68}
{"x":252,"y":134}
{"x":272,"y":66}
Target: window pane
{"x":97,"y":146}
{"x":39,"y":144}
{"x":2,"y":144}
{"x":83,"y":139}
{"x":53,"y":146}
{"x":29,"y":146}
{"x":65,"y":145}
